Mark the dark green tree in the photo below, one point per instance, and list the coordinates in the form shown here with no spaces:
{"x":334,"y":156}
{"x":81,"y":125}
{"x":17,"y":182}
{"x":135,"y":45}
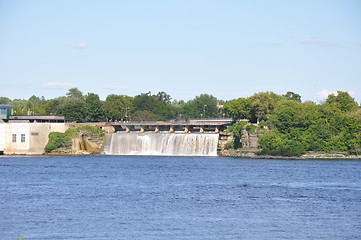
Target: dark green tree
{"x":292,"y":96}
{"x":5,"y":100}
{"x":118,"y":107}
{"x":95,"y":108}
{"x":238,"y":109}
{"x":202,"y":106}
{"x":21,"y":107}
{"x":36,"y":105}
{"x":158,"y":104}
{"x":74,"y":109}
{"x":343,"y":101}
{"x":262,"y":105}
{"x":144,"y":115}
{"x":52,"y":106}
{"x":75,"y":93}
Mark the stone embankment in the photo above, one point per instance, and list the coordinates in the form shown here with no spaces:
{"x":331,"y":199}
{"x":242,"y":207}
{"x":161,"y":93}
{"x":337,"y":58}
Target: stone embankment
{"x":310,"y":155}
{"x":238,"y":154}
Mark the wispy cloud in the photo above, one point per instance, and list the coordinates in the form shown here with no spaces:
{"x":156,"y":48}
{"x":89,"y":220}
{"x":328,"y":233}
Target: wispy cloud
{"x":325,"y":93}
{"x":81,"y":45}
{"x":61,"y":85}
{"x":320,"y":43}
{"x":272,"y":44}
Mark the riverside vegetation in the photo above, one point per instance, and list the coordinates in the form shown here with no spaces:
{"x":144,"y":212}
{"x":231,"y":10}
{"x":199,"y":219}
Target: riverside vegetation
{"x":284,"y":124}
{"x":80,"y":139}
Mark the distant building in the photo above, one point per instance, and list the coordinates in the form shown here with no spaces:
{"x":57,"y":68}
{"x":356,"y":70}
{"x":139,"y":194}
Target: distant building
{"x":26,"y":134}
{"x":5,"y":112}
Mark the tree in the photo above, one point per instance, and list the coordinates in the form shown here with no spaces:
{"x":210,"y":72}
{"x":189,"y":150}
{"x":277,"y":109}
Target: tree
{"x":177,"y":106}
{"x":52,"y":106}
{"x":74,"y":109}
{"x":292,"y":96}
{"x":288,"y":115}
{"x":36,"y":105}
{"x":164,"y":97}
{"x":144,"y":115}
{"x":5,"y":100}
{"x":145,"y":101}
{"x":95,"y":108}
{"x":74,"y":93}
{"x":118,"y":107}
{"x":278,"y":144}
{"x":21,"y":107}
{"x":238,"y":109}
{"x":343,"y":101}
{"x":262,"y":104}
{"x":158,"y":104}
{"x":202,"y":106}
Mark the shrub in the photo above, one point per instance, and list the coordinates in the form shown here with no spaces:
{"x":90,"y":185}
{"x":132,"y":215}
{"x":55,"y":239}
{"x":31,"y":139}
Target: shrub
{"x":57,"y":140}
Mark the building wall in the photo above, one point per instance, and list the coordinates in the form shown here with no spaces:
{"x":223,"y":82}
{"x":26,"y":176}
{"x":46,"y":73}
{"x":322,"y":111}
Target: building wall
{"x":3,"y":134}
{"x":35,"y":137}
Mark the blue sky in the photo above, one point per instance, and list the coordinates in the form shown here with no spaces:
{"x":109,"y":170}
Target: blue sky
{"x":229,"y":49}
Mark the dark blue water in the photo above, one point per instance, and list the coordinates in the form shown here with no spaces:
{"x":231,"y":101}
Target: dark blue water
{"x":116,"y":197}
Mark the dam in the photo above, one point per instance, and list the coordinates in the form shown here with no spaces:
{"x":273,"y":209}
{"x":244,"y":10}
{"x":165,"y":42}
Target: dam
{"x":180,"y":138}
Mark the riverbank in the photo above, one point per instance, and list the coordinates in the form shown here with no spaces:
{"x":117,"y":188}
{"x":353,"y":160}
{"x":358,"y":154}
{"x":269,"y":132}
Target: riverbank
{"x":309,"y":156}
{"x":249,"y":154}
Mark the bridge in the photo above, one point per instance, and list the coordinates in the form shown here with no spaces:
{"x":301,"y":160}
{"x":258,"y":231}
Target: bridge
{"x":186,"y":126}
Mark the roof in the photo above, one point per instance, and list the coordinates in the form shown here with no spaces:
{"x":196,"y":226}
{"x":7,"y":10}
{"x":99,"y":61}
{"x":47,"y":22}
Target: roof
{"x":6,"y":106}
{"x":36,"y":117}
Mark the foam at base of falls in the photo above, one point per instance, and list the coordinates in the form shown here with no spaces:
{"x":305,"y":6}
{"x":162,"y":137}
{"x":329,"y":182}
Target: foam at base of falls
{"x":168,"y":144}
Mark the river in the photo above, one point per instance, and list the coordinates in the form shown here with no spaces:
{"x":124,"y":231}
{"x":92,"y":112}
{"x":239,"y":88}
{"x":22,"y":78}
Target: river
{"x":197,"y":198}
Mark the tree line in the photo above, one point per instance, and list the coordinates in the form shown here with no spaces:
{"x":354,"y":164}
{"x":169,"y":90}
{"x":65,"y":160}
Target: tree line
{"x":288,"y":126}
{"x":293,"y":128}
{"x":80,"y":107}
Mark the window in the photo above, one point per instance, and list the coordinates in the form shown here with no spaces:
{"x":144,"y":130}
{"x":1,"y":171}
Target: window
{"x":14,"y":138}
{"x":22,"y":137}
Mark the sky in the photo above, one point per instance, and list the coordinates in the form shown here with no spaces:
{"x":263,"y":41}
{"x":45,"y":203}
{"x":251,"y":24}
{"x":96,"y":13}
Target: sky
{"x":226,"y":48}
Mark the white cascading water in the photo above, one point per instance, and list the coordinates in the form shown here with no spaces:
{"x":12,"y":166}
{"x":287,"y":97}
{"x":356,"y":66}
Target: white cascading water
{"x":168,"y":144}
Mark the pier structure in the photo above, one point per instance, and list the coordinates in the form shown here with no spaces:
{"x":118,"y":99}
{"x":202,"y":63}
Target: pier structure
{"x":190,"y":126}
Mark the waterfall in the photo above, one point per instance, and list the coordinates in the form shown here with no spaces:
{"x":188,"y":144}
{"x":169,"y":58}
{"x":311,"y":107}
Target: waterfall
{"x":162,"y":143}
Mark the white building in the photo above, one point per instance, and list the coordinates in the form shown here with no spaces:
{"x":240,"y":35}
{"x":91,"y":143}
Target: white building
{"x":27,"y":134}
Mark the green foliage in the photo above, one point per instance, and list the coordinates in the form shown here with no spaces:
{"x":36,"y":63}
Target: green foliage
{"x":342,"y":101}
{"x":21,"y":107}
{"x":75,"y":93}
{"x":236,"y":128}
{"x":300,"y":127}
{"x":146,"y":106}
{"x":74,"y":109}
{"x":95,"y":108}
{"x":52,"y":106}
{"x":292,"y":127}
{"x":238,"y":109}
{"x":5,"y":100}
{"x":292,"y":96}
{"x":83,"y":130}
{"x":251,"y":128}
{"x":262,"y":105}
{"x":144,"y":115}
{"x":118,"y":107}
{"x":57,"y":140}
{"x":64,"y":140}
{"x":202,"y":106}
{"x":277,"y":144}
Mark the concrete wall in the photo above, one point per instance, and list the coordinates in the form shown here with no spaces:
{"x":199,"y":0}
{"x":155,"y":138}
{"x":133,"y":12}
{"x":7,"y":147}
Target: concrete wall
{"x":36,"y":137}
{"x":3,"y":134}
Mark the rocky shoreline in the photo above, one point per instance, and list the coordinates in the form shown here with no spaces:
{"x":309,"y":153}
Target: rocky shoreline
{"x":252,"y":154}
